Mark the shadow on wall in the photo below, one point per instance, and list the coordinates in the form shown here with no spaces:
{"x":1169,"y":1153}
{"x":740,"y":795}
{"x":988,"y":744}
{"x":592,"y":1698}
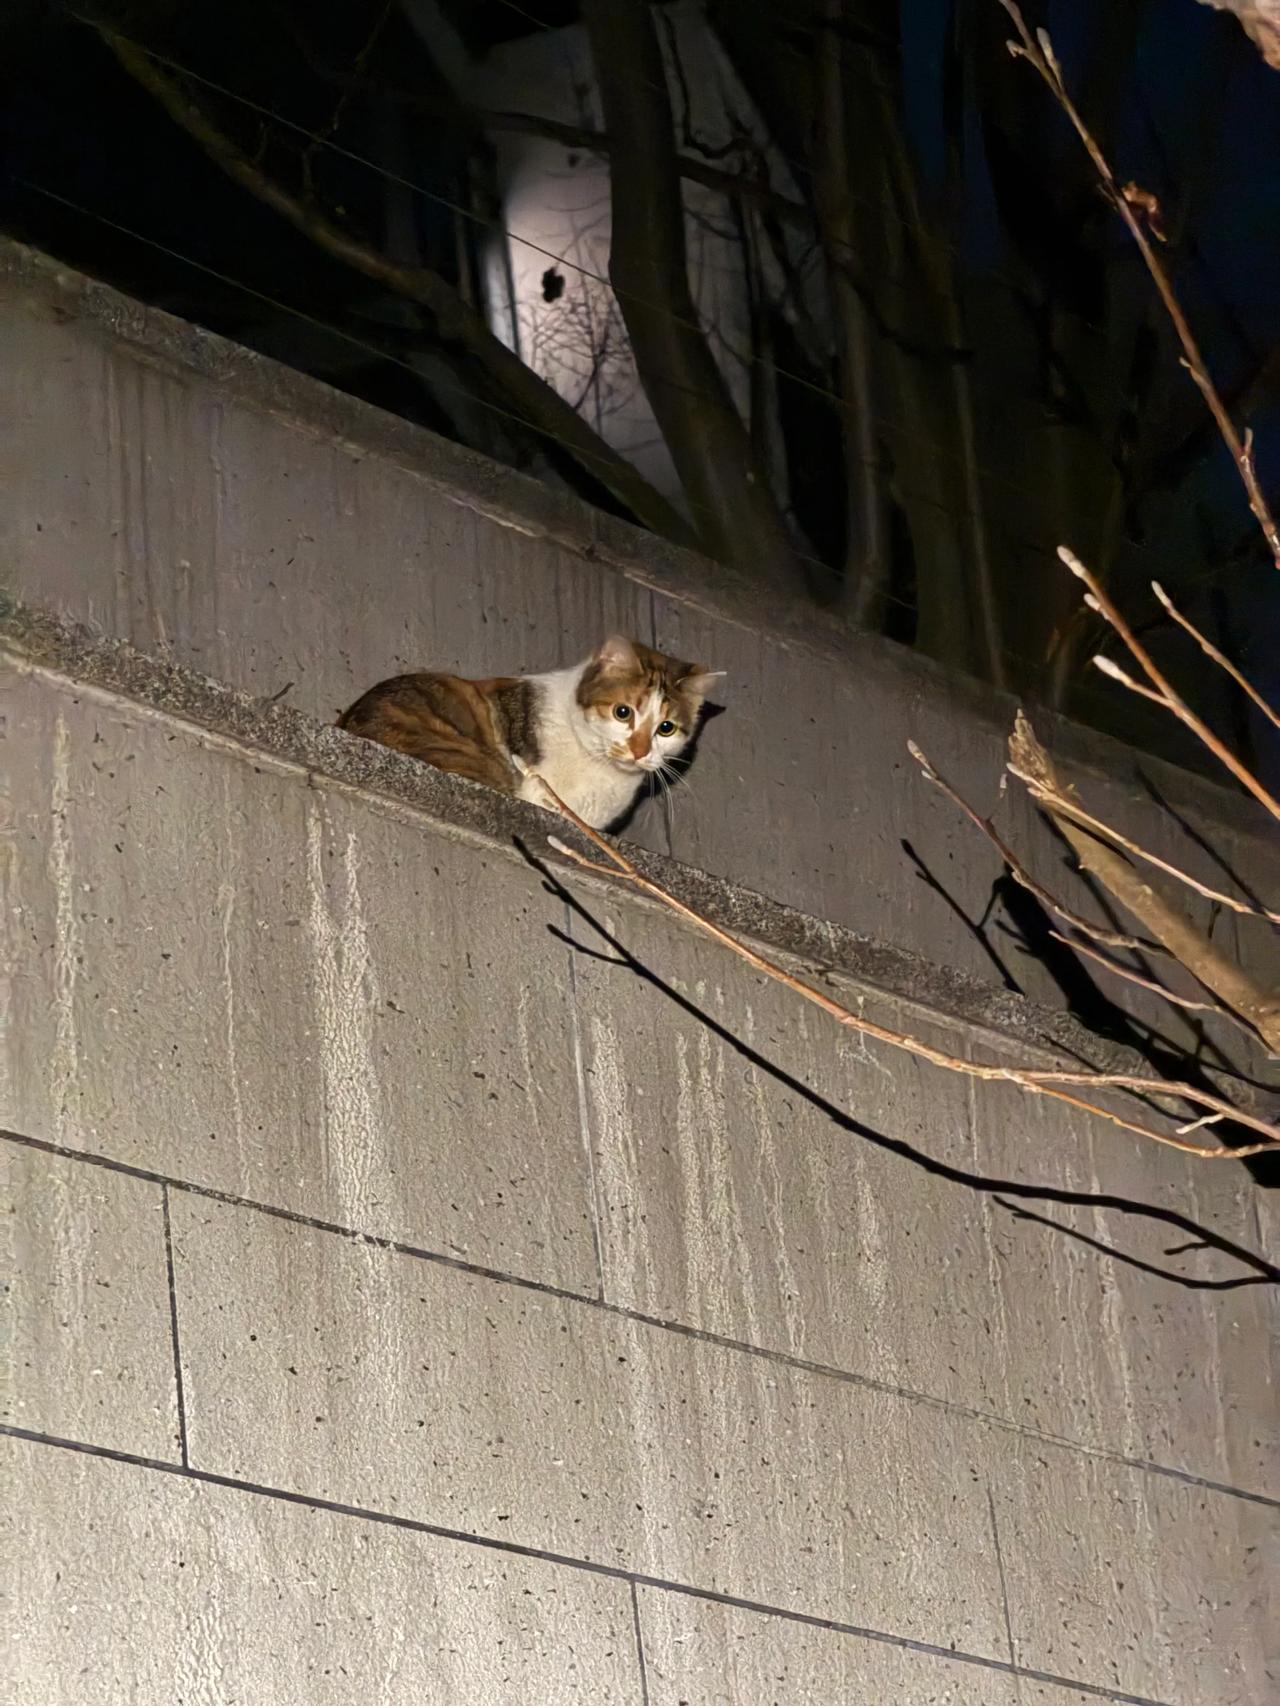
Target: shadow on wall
{"x":1031,"y":929}
{"x":1009,"y":1194}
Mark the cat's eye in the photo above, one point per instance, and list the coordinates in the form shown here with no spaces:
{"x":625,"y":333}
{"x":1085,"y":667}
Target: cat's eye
{"x":666,"y":727}
{"x":622,"y":713}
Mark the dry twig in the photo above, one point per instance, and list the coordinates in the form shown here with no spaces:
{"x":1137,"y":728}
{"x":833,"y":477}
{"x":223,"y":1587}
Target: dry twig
{"x":1132,"y":976}
{"x":1165,"y":693}
{"x":1061,"y":805}
{"x":1243,"y":1001}
{"x":1130,"y":204}
{"x":1258,"y":1006}
{"x":1051,"y":1083}
{"x":1212,"y":651}
{"x":1095,"y":842}
{"x":1019,"y":872}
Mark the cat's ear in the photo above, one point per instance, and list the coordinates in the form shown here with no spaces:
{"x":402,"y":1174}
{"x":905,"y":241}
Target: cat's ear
{"x":699,"y":681}
{"x":617,"y":652}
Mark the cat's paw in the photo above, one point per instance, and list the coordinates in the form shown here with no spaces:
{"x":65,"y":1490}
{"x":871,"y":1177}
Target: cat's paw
{"x":532,"y":787}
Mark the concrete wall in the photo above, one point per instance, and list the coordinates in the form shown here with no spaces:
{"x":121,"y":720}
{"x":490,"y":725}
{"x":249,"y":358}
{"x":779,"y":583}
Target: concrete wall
{"x":436,"y":1278}
{"x":209,"y":506}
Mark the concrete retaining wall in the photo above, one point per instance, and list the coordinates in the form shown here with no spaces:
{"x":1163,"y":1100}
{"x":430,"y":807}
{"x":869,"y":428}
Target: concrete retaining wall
{"x":438,"y":1277}
{"x":210,"y":506}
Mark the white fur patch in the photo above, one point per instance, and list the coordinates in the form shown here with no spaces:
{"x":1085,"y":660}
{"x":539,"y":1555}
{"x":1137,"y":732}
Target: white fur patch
{"x":585,"y":756}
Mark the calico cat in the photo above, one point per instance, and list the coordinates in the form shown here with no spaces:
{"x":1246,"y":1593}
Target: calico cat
{"x":594,"y":731}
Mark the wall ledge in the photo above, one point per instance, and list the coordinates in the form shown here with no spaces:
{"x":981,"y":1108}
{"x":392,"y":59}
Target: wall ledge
{"x":35,"y":641}
{"x":527,"y":506}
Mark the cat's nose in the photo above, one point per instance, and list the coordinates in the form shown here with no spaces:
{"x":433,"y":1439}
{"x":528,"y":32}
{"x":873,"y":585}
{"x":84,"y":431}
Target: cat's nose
{"x":639,"y":742}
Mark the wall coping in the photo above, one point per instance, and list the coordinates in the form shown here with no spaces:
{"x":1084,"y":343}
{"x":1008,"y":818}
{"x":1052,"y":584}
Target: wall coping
{"x":519,"y":502}
{"x":35,"y":641}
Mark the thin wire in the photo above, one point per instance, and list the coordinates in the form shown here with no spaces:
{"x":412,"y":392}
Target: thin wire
{"x":812,"y":31}
{"x":781,"y":37}
{"x":862,"y":201}
{"x":1013,"y":540}
{"x":492,"y":225}
{"x":435,"y":382}
{"x":540,"y":22}
{"x":357,"y":342}
{"x":314,"y":320}
{"x":840,"y":404}
{"x":661,"y":89}
{"x":1037,"y":547}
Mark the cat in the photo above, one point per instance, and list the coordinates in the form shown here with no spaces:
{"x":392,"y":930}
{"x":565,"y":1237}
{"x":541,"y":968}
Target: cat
{"x":595,"y":731}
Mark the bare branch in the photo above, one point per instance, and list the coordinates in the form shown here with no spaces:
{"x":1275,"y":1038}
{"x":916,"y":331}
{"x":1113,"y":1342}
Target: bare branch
{"x":1019,"y":872}
{"x":738,"y":185}
{"x":1131,"y":976}
{"x":1167,"y":693}
{"x":1207,"y":646}
{"x":1110,"y":938}
{"x":1133,"y":207}
{"x":1110,"y":668}
{"x":1061,"y":806}
{"x":539,"y":406}
{"x":1050,"y":1083}
{"x":1258,"y":1006}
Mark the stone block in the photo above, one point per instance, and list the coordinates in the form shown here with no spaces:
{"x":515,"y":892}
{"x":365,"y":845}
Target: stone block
{"x":286,"y":993}
{"x":1137,"y":1582}
{"x":129,"y":1584}
{"x":1135,"y":1311}
{"x":766,"y":1175}
{"x":87,"y":1344}
{"x":700,"y":1652}
{"x":403,"y":1386}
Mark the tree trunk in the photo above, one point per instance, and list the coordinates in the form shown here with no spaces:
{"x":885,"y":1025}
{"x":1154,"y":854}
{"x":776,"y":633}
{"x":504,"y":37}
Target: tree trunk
{"x":929,"y":422}
{"x":733,"y":509}
{"x":866,"y":552}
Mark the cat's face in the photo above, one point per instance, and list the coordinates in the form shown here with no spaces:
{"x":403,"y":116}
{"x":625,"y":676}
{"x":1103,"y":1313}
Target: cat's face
{"x":640,"y":707}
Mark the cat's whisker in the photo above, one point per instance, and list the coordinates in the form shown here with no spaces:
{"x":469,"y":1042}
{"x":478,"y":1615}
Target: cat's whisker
{"x":674,"y":776}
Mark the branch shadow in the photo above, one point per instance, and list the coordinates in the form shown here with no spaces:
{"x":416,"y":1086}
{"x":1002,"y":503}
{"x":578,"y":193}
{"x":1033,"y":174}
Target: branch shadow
{"x":1090,"y":1004}
{"x":1030,"y":928}
{"x":977,"y":928}
{"x":1261,"y":1271}
{"x":1212,"y":853}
